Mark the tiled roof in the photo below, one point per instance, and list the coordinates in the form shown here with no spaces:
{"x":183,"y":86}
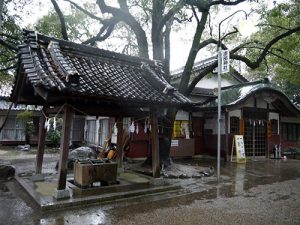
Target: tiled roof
{"x":5,"y":105}
{"x":52,"y":70}
{"x":237,"y":94}
{"x":203,"y":92}
{"x":201,"y":65}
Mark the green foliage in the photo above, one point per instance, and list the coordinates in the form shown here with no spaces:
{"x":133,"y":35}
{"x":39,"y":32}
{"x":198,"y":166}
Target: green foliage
{"x":79,"y":26}
{"x":54,"y":137}
{"x":282,"y":65}
{"x":10,"y":33}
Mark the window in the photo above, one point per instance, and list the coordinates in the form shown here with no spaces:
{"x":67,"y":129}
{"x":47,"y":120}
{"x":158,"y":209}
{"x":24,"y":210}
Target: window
{"x":13,"y":130}
{"x":234,"y":125}
{"x":274,"y":125}
{"x":291,"y":131}
{"x":91,"y":131}
{"x":103,"y":131}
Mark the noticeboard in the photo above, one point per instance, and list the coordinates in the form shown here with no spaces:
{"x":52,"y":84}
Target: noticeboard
{"x":238,"y":143}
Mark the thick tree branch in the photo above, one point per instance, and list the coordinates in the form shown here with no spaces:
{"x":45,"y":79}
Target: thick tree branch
{"x":193,"y":53}
{"x":222,"y":2}
{"x":130,"y":21}
{"x":106,"y":29}
{"x":200,"y":75}
{"x":230,"y":33}
{"x":85,"y":11}
{"x":255,"y":64}
{"x":274,"y":54}
{"x":169,"y":15}
{"x":62,"y":20}
{"x":209,"y":41}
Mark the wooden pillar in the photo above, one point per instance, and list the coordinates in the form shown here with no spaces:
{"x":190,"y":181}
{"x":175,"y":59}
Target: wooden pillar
{"x":226,"y":158}
{"x":155,"y":146}
{"x":41,"y":145}
{"x":64,"y":147}
{"x":119,"y":141}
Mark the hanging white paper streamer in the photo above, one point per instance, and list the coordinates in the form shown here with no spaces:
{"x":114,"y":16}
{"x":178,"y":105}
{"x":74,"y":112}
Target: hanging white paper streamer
{"x":115,"y":129}
{"x":137,"y":129}
{"x":145,"y":127}
{"x":47,"y":124}
{"x":54,"y":123}
{"x":132,"y":128}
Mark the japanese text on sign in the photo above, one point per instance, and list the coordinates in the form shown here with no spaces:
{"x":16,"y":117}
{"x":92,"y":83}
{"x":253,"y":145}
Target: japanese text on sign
{"x":225,"y":65}
{"x":240,"y":148}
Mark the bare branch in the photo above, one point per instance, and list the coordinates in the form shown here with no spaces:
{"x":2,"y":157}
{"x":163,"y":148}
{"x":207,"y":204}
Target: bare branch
{"x":62,"y":20}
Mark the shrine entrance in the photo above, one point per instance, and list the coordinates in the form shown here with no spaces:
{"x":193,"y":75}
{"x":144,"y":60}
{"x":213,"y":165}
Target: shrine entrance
{"x":255,"y":137}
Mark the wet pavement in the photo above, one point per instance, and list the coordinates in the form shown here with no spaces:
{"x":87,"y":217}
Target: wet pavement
{"x":259,"y":192}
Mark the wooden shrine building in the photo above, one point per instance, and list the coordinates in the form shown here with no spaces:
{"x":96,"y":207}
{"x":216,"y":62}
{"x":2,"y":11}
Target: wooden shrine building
{"x":70,"y":78}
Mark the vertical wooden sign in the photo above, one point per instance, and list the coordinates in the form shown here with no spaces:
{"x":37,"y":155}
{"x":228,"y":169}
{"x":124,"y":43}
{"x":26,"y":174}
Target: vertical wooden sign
{"x":238,"y":144}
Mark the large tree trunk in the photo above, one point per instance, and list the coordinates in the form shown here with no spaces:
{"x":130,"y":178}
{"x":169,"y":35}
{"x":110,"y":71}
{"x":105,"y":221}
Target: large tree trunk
{"x":165,"y":127}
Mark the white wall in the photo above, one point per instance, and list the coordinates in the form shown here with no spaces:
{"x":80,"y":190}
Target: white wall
{"x":182,"y":115}
{"x":212,"y":124}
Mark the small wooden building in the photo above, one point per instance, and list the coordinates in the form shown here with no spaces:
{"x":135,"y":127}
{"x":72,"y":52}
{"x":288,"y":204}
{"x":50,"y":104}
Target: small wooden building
{"x":70,"y":78}
{"x":258,"y":110}
{"x":13,"y":132}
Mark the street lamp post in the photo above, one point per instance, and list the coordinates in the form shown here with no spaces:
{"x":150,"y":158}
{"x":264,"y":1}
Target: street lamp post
{"x":219,"y":49}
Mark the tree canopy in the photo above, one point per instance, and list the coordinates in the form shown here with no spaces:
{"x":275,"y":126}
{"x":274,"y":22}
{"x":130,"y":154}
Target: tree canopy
{"x":148,"y":25}
{"x":282,"y":63}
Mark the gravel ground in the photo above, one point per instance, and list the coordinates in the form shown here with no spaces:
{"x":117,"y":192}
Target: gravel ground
{"x":260,"y":192}
{"x":276,"y":203}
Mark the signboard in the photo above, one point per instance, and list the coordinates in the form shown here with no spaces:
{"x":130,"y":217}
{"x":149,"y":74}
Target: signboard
{"x":238,"y":143}
{"x":225,"y":64}
{"x":174,"y":143}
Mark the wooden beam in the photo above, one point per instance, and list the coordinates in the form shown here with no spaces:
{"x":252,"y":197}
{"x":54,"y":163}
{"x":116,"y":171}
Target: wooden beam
{"x":64,"y":147}
{"x":41,"y":145}
{"x":155,"y":146}
{"x":119,"y":141}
